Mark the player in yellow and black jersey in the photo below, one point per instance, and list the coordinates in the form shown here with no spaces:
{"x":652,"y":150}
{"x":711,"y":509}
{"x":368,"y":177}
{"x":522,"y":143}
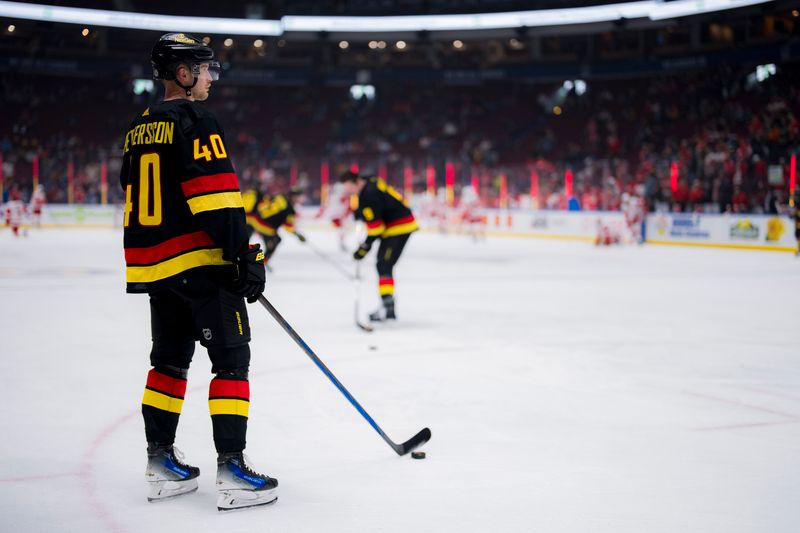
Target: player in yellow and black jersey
{"x":269,"y":214}
{"x":251,"y":198}
{"x":186,"y":246}
{"x":388,"y":219}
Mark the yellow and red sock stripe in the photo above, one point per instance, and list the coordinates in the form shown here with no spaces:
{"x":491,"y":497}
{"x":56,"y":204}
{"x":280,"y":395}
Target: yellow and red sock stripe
{"x":229,"y":397}
{"x":386,"y":286}
{"x":401,"y":226}
{"x":216,"y":191}
{"x":171,"y":257}
{"x":164,"y":392}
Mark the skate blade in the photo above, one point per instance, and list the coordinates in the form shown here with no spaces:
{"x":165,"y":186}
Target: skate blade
{"x":165,"y":490}
{"x":234,"y":500}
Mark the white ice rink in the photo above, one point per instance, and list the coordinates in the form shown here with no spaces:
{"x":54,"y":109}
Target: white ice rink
{"x":568,"y":388}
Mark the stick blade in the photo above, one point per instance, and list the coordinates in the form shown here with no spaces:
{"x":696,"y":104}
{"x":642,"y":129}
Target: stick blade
{"x":414,"y":442}
{"x":364,"y":327}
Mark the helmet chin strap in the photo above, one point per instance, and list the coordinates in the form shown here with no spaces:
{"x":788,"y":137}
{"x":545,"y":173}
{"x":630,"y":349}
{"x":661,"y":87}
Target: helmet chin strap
{"x":187,"y":88}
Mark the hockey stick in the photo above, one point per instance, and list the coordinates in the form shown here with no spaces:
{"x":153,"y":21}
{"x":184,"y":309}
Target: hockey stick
{"x":351,"y":277}
{"x":357,"y":279}
{"x":330,"y":260}
{"x":403,"y":448}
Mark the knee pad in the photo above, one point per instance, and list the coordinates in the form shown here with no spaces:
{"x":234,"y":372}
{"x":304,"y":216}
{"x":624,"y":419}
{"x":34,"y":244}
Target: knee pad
{"x":236,"y":373}
{"x":229,"y":358}
{"x":172,"y":371}
{"x":172,"y":356}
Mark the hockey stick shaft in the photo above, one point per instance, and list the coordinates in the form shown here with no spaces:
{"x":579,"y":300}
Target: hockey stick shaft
{"x":357,"y":286}
{"x":330,"y":260}
{"x":401,"y":449}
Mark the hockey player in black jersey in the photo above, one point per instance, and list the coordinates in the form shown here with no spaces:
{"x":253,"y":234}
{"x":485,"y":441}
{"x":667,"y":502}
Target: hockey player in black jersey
{"x":269,"y":214}
{"x":389,"y":220}
{"x":186,"y":246}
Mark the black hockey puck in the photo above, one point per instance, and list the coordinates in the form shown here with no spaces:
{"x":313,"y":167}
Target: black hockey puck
{"x":418,"y":455}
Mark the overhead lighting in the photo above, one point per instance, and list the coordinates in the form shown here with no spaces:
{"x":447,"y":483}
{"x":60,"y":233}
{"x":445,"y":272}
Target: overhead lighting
{"x":795,"y":13}
{"x":400,"y":45}
{"x":373,"y":45}
{"x":458,"y":45}
{"x":258,"y":43}
{"x":85,"y":32}
{"x":344,"y":45}
{"x":228,"y":42}
{"x":11,"y":28}
{"x":652,"y":9}
{"x":206,"y":40}
{"x":516,"y":44}
{"x":557,"y":110}
{"x":765,"y":71}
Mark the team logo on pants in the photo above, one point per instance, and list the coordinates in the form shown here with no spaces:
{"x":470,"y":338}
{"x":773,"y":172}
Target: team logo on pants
{"x":207,"y":334}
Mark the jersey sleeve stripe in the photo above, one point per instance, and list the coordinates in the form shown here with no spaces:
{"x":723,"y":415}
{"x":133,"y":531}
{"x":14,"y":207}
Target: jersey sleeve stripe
{"x":170,"y":248}
{"x":176,"y":265}
{"x":212,"y":202}
{"x":226,"y":181}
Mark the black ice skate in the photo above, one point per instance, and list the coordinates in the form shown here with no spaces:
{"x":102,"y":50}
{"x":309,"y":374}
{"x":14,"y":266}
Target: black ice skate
{"x":167,"y":475}
{"x":385,"y":312}
{"x":239,"y":487}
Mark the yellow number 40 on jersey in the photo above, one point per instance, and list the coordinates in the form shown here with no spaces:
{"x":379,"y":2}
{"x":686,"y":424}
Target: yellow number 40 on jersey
{"x":202,"y":151}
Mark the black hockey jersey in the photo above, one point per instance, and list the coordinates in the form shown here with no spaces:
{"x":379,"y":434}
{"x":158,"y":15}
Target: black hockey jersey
{"x":183,"y":208}
{"x":271,"y":214}
{"x":385,"y":212}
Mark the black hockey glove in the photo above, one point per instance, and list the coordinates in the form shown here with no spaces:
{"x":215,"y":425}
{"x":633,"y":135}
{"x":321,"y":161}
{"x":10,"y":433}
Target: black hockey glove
{"x":362,"y":251}
{"x":300,"y":237}
{"x":250,"y":273}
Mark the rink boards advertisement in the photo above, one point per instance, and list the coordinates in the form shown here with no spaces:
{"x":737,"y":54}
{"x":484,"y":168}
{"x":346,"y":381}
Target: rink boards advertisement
{"x":759,"y":232}
{"x":81,"y":215}
{"x":567,"y":225}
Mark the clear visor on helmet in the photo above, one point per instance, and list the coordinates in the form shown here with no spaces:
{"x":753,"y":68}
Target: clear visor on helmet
{"x":209,"y":70}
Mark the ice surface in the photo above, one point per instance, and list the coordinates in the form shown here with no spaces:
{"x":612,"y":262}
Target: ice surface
{"x":568,"y":388}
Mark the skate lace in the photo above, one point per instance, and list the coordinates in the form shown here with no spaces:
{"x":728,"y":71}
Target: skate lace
{"x":179,"y":457}
{"x":245,"y":466}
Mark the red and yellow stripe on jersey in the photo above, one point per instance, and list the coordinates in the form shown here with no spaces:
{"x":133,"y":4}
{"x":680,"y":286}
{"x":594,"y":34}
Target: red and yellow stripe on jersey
{"x":145,"y":265}
{"x":271,"y":214}
{"x":164,"y":392}
{"x":260,"y":226}
{"x":208,"y":193}
{"x":401,"y":226}
{"x":229,"y":397}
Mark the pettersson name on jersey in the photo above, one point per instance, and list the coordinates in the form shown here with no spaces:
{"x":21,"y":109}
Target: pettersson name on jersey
{"x":149,"y":133}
